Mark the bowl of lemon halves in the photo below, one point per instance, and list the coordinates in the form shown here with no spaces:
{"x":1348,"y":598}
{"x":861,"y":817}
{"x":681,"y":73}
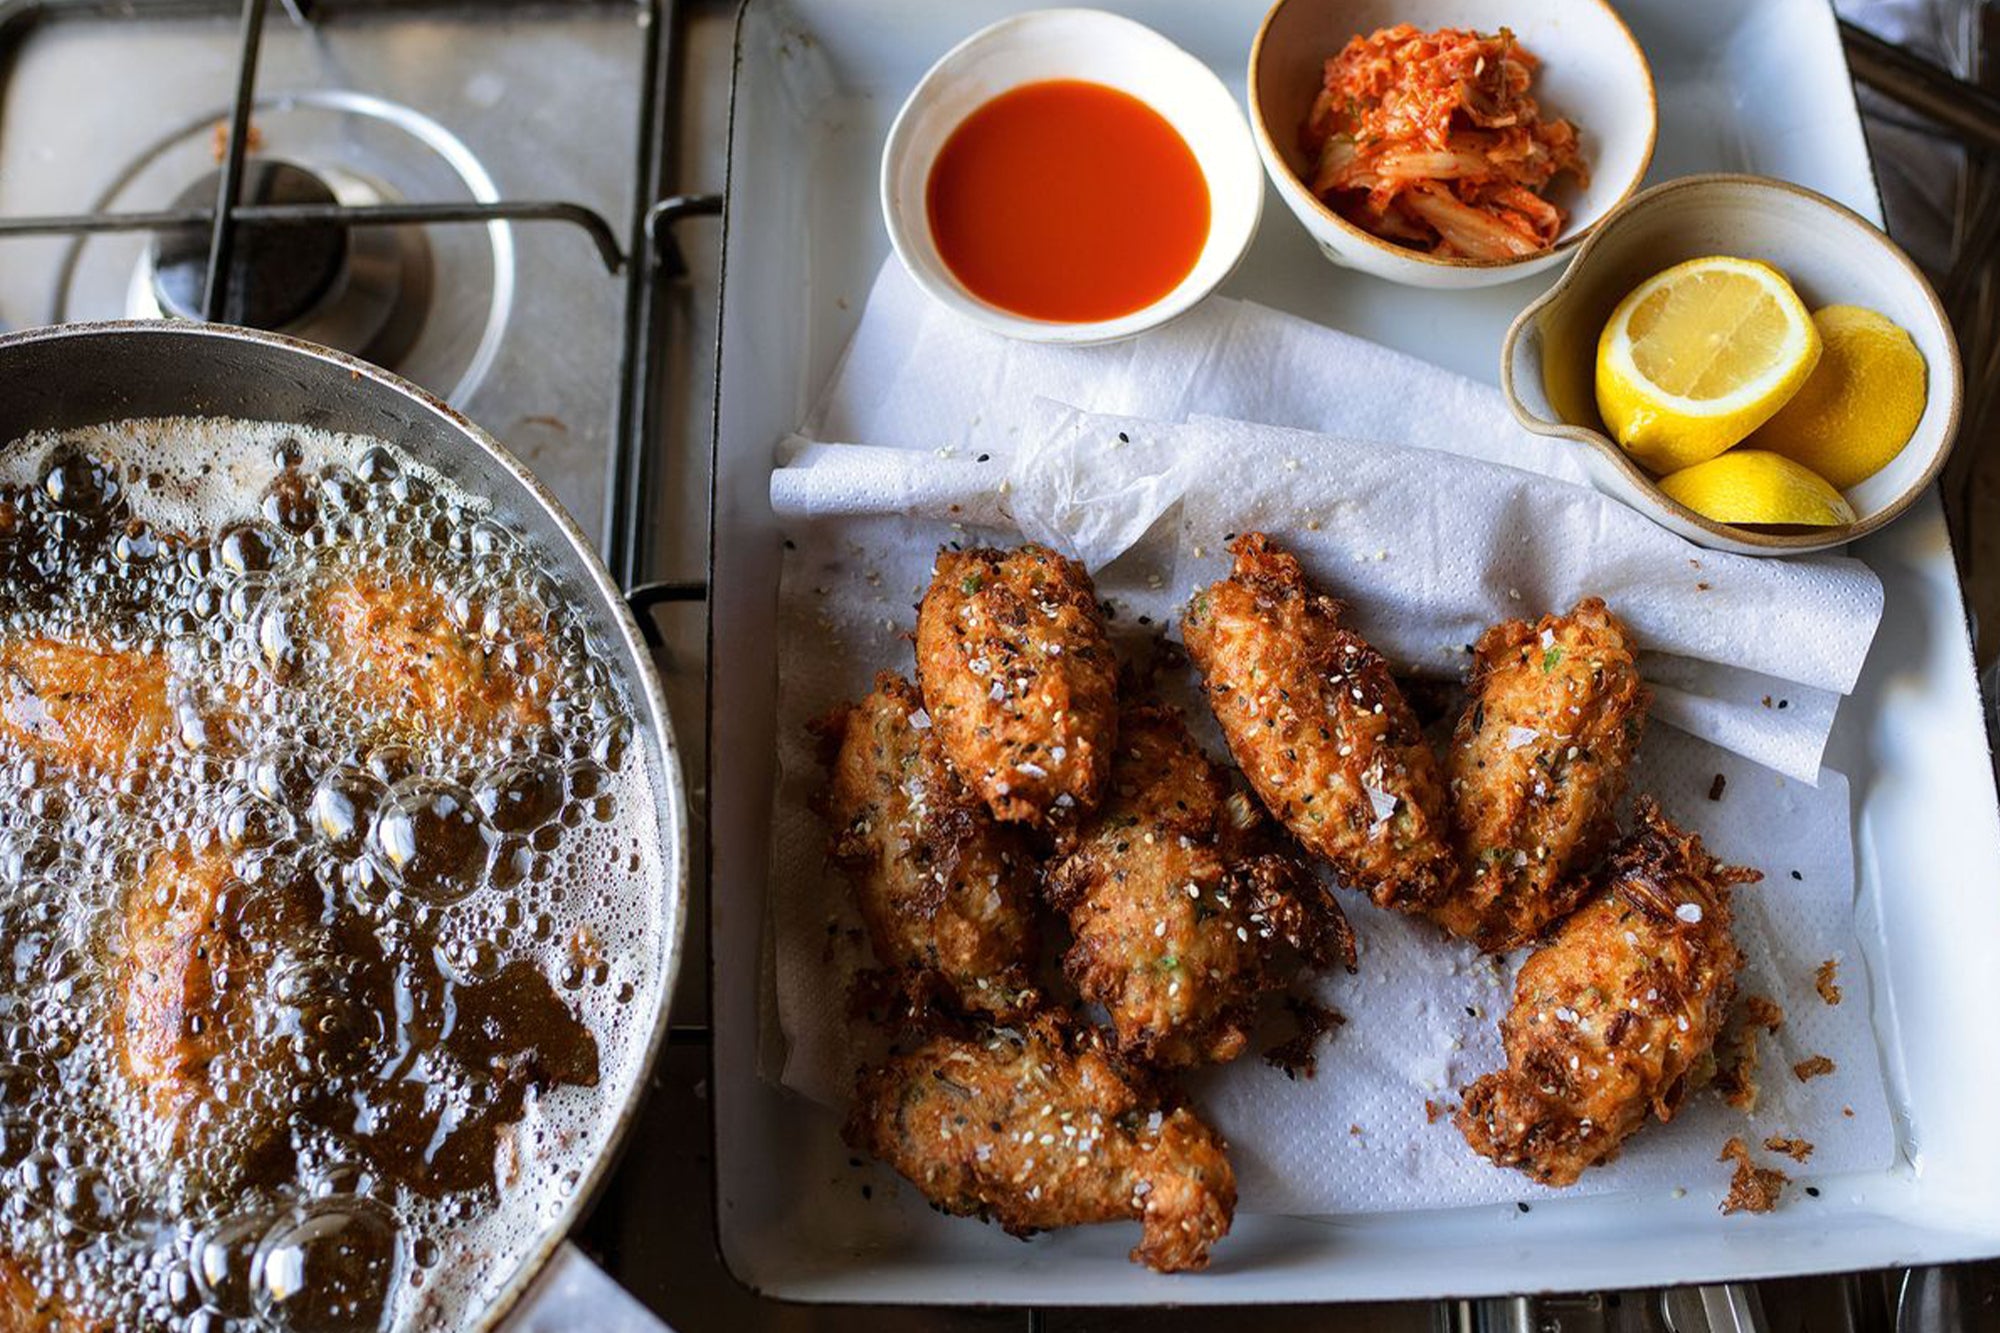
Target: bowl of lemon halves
{"x":1751,"y":364}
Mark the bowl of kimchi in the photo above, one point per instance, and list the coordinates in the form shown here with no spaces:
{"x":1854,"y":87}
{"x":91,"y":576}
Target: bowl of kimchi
{"x":1451,"y":143}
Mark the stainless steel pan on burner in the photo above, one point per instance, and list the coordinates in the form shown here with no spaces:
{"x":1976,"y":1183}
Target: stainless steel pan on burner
{"x":72,"y":376}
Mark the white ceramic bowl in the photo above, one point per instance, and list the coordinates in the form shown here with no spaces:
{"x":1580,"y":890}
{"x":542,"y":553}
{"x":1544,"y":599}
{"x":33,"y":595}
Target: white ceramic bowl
{"x":1102,"y":48}
{"x":1832,"y":256}
{"x":1592,"y":72}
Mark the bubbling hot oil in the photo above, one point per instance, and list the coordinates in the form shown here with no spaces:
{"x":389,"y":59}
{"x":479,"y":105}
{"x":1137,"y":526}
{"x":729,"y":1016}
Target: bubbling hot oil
{"x":443,"y":928}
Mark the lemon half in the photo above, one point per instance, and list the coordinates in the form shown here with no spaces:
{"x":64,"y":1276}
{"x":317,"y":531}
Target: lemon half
{"x":1860,"y":405}
{"x":1698,"y":357}
{"x":1757,"y":486}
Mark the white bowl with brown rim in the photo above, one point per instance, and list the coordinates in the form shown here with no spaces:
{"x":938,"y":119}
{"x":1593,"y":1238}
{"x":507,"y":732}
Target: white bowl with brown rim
{"x":1592,"y":73}
{"x":1831,"y":255}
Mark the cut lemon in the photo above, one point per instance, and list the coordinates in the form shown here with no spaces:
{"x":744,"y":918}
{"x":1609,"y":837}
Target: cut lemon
{"x":1860,"y":405}
{"x":1697,"y":357}
{"x":1756,"y":486}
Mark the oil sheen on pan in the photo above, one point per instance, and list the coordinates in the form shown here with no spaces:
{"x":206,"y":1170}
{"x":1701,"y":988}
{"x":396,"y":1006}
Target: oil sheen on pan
{"x":1068,"y":201}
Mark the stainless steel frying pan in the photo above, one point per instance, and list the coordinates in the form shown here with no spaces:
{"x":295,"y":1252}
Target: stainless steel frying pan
{"x":85,"y":374}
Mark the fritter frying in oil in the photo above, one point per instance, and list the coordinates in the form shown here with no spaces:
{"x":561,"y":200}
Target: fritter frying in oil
{"x":1613,"y":1015}
{"x":947,"y":892}
{"x":393,"y":643}
{"x":233,"y":998}
{"x":186,"y":977}
{"x":1180,"y":901}
{"x":1320,"y":728}
{"x":1035,"y":1128}
{"x":1538,"y":764}
{"x":1018,"y":674}
{"x":23,"y":1309}
{"x":88,"y":707}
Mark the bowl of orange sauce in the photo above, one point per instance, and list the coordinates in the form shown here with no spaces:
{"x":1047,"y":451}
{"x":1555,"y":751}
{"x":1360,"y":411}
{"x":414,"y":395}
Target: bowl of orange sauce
{"x":1070,"y":176}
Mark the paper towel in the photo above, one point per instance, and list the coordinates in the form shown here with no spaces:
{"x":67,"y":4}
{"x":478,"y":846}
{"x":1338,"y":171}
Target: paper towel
{"x":847,"y":606}
{"x":958,"y":449}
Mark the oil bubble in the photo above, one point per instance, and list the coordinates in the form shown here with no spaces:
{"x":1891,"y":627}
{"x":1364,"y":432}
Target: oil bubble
{"x":332,"y":1267}
{"x":343,"y":807}
{"x":520,"y":797}
{"x":223,"y":1261}
{"x":433,"y":840}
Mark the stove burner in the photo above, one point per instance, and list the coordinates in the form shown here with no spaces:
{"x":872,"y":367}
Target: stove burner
{"x":365,"y":290}
{"x":279,"y":276}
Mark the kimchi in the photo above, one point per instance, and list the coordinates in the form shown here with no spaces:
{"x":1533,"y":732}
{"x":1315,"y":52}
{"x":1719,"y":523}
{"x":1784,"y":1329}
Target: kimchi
{"x":1431,"y":140}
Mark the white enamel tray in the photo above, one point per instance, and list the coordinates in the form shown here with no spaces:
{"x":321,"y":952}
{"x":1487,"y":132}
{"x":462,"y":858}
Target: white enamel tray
{"x":1761,"y":88}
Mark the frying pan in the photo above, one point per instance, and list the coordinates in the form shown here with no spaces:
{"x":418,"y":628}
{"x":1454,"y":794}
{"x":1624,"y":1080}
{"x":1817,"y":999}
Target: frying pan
{"x":77,"y":375}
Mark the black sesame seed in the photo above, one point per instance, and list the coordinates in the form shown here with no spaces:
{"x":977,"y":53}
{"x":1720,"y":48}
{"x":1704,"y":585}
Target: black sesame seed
{"x":1522,"y":1206}
{"x":985,"y":458}
{"x":1123,"y":438}
{"x":867,"y":1191}
{"x":791,"y":545}
{"x":1784,"y":703}
{"x":854,"y":1161}
{"x":1797,"y":875}
{"x":1813,"y":1190}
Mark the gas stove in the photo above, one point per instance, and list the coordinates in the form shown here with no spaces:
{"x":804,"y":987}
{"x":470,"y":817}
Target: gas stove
{"x":504,"y":201}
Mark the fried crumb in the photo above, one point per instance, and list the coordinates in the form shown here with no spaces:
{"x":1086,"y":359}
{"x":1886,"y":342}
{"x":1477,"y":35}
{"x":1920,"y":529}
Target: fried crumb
{"x":584,"y":950}
{"x":1354,"y":1130}
{"x":1812,"y":1068}
{"x":1753,"y":1189}
{"x":1823,"y":981}
{"x":1432,"y":1111}
{"x":1799,"y":1150}
{"x":1296,"y":1054}
{"x":1736,"y":1063}
{"x":1716,"y":787}
{"x":1847,"y":1111}
{"x":1764,"y":1012}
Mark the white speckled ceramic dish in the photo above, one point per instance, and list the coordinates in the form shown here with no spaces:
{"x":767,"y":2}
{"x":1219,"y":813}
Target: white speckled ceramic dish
{"x":1592,"y":72}
{"x":1831,"y":255}
{"x":1099,"y":47}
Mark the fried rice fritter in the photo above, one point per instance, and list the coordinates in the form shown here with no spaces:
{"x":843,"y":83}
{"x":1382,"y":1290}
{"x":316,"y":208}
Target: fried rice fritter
{"x":1179,"y":900}
{"x":1540,"y":759}
{"x":1018,"y":674}
{"x":1037,"y":1127}
{"x":947,"y":892}
{"x":1320,"y":728}
{"x":391,"y":640}
{"x":85,"y":706}
{"x":25,"y":1309}
{"x":1613,"y":1016}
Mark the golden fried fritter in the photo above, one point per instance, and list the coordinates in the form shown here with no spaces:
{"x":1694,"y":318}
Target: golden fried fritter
{"x":1017,"y":671}
{"x":392,"y":642}
{"x":948,"y":893}
{"x":1035,"y":1128}
{"x":1319,"y":727}
{"x":1538,"y":764}
{"x":87,"y":707}
{"x":1178,"y":899}
{"x":1613,"y":1015}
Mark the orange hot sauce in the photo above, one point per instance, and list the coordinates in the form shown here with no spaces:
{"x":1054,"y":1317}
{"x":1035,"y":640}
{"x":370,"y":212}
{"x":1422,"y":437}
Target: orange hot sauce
{"x":1068,"y":201}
